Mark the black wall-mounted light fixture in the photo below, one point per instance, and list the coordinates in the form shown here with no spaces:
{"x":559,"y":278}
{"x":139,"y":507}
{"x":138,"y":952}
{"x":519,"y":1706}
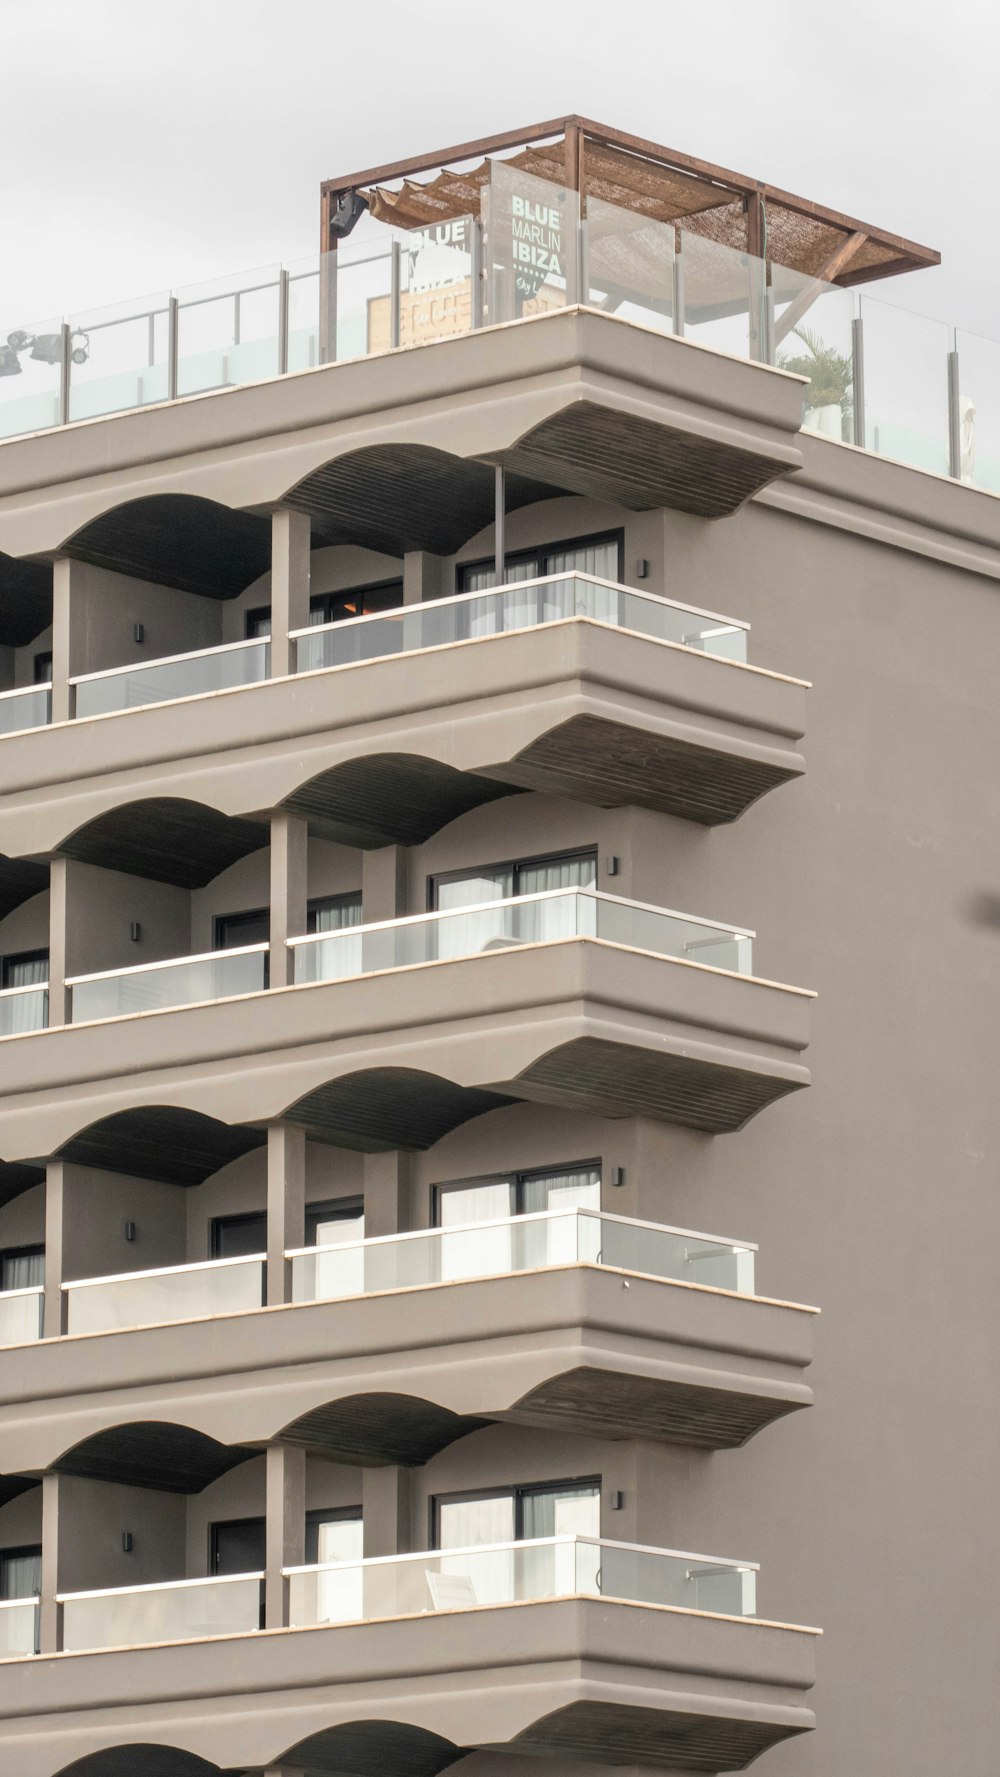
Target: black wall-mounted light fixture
{"x":135,"y":931}
{"x":617,"y":1175}
{"x":130,"y":1230}
{"x":614,"y":864}
{"x":128,"y":1543}
{"x":641,"y":568}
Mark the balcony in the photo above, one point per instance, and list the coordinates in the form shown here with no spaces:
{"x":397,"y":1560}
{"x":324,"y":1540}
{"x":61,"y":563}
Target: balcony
{"x":183,"y":981}
{"x":518,"y":1573}
{"x":701,"y":733}
{"x":179,"y":1610}
{"x":644,"y":1656}
{"x":21,"y":1315}
{"x":395,"y":1032}
{"x":547,"y":918}
{"x":688,"y":1355}
{"x":23,"y":1009}
{"x":28,"y":706}
{"x":18,"y":1627}
{"x":167,"y":681}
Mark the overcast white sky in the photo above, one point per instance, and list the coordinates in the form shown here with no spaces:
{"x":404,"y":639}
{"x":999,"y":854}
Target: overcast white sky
{"x":152,"y":143}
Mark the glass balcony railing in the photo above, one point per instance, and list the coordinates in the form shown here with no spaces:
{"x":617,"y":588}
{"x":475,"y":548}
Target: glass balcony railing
{"x":29,"y":706}
{"x":183,"y":981}
{"x":21,"y":1316}
{"x":523,"y":605}
{"x":18,"y":1627}
{"x":176,"y":676}
{"x":23,"y":1009}
{"x":516,"y":1573}
{"x":882,"y":377}
{"x":176,"y":1292}
{"x":522,"y":1243}
{"x":546,"y":918}
{"x":179,"y":1610}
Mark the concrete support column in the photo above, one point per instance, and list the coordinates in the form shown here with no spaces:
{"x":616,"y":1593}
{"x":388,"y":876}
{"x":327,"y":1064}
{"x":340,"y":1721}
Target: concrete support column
{"x":64,"y":572}
{"x":50,"y":1613}
{"x":387,"y":1193}
{"x":286,"y":1196}
{"x":384,"y":876}
{"x":423,"y":577}
{"x":289,"y":891}
{"x":59,"y":995}
{"x":286,"y":1527}
{"x":55,"y":1181}
{"x":387,"y":1504}
{"x":290,"y":544}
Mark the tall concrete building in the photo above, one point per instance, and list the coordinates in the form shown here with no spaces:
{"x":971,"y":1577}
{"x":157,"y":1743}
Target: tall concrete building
{"x":466,"y":696}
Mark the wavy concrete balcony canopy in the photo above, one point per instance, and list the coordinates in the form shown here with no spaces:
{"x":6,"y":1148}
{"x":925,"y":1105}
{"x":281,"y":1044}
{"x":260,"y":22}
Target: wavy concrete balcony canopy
{"x":148,"y":1759}
{"x":20,"y":879}
{"x":575,"y":401}
{"x":161,"y":1142}
{"x":560,"y":1347}
{"x":168,"y":839}
{"x":153,"y":1453}
{"x":25,"y":600}
{"x":196,"y":545}
{"x":601,"y":1680}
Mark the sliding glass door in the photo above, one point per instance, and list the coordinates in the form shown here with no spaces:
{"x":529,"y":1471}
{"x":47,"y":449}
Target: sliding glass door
{"x":513,"y":1515}
{"x":486,"y":1251}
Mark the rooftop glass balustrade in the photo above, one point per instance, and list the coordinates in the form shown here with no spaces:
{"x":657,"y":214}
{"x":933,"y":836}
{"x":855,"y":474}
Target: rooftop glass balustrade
{"x":23,"y":1009}
{"x":176,"y":676}
{"x":545,"y":918}
{"x":526,"y":604}
{"x":183,"y":981}
{"x":521,"y":1243}
{"x":175,"y":1292}
{"x":180,"y":1610}
{"x":21,"y":1315}
{"x":516,"y":1573}
{"x":882,"y":377}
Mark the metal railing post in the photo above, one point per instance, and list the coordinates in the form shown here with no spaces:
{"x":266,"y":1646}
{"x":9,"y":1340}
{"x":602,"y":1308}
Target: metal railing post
{"x":64,"y":370}
{"x":858,"y":378}
{"x":282,"y":322}
{"x":583,"y":262}
{"x":769,"y":345}
{"x":500,"y":516}
{"x":328,"y":305}
{"x":395,"y":293}
{"x":476,"y":274}
{"x":173,"y":340}
{"x":954,"y":418}
{"x":679,"y":293}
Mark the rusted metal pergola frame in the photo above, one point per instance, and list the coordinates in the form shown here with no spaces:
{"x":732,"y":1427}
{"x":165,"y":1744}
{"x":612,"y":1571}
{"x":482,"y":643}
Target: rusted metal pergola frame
{"x":577,"y":131}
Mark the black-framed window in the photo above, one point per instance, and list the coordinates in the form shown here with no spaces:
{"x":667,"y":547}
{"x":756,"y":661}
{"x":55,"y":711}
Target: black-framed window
{"x":602,"y":555}
{"x":328,"y":913}
{"x":334,"y":607}
{"x":520,"y":876}
{"x":21,"y":1571}
{"x":238,"y":1545}
{"x":22,"y":1267}
{"x":334,"y":1535}
{"x":506,"y":1195}
{"x":25,"y":968}
{"x":516,"y":1513}
{"x":244,"y":1236}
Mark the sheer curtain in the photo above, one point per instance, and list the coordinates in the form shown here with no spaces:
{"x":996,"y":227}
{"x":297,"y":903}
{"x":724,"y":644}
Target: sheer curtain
{"x":463,"y":1523}
{"x":23,"y":1270}
{"x":340,"y":1274}
{"x":23,"y":1011}
{"x":340,"y":1596}
{"x":466,"y":934}
{"x":549,"y":920}
{"x":21,"y":1574}
{"x":565,"y":1190}
{"x":341,"y":914}
{"x":599,"y":559}
{"x":476,"y":1252}
{"x":562,"y":1511}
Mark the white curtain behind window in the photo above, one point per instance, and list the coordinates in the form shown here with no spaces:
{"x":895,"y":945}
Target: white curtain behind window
{"x":476,"y":1252}
{"x":340,"y":1596}
{"x":462,"y":1523}
{"x":340,"y":1274}
{"x":565,"y":1190}
{"x":22,"y":1271}
{"x":22,"y":1011}
{"x":569,"y":1511}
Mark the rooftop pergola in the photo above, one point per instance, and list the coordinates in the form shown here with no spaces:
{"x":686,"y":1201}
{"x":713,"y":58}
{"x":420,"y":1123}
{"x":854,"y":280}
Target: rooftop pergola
{"x":643,"y":177}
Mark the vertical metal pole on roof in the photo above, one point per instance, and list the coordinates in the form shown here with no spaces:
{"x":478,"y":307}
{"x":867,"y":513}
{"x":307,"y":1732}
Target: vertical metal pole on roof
{"x":151,"y":342}
{"x":236,"y":317}
{"x":858,"y":378}
{"x":476,"y":273}
{"x":173,"y":333}
{"x":282,"y":321}
{"x":954,"y":417}
{"x":500,"y":538}
{"x":679,"y":290}
{"x":395,"y":292}
{"x":64,"y":369}
{"x":583,"y":262}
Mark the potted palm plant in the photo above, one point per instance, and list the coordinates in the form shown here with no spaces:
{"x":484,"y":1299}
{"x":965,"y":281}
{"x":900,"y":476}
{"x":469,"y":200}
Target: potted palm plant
{"x":831,"y":375}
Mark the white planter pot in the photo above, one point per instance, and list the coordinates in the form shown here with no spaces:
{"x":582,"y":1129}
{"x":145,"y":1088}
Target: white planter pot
{"x":828,"y":420}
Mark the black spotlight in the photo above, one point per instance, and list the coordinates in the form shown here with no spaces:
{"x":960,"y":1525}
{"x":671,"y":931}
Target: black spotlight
{"x":10,"y":363}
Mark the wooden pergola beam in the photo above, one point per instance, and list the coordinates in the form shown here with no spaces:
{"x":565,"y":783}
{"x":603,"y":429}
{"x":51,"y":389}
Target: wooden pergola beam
{"x":838,"y":261}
